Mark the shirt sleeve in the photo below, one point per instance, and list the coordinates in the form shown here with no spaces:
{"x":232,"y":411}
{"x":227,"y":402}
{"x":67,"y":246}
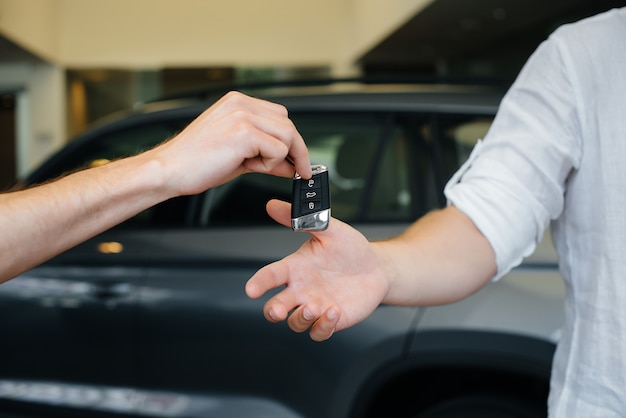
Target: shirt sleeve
{"x":513,"y":183}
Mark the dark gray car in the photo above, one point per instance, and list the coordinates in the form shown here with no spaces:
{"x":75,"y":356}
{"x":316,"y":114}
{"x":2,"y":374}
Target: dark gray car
{"x":150,"y":318}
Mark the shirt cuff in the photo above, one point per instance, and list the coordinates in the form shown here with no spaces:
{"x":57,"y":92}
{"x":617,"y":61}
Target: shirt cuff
{"x":501,"y":207}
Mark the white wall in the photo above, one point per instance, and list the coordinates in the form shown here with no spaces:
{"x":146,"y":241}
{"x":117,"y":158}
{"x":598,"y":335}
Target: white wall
{"x":239,"y":33}
{"x":32,"y":24}
{"x":151,"y":34}
{"x":40,"y":110}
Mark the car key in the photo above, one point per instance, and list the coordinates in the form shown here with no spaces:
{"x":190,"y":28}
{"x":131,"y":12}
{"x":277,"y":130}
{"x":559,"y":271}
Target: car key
{"x":310,"y":203}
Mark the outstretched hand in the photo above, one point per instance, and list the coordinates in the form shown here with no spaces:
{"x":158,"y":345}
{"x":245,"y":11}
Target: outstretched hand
{"x":332,"y":282}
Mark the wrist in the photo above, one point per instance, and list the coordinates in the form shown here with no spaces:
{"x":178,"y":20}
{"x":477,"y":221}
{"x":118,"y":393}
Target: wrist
{"x":387,"y":267}
{"x":138,"y":181}
{"x":149,"y":174}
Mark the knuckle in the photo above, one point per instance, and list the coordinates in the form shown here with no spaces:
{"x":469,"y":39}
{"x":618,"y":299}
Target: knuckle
{"x":282,"y":151}
{"x":234,"y":95}
{"x":282,"y":109}
{"x":240,"y":123}
{"x":232,"y":101}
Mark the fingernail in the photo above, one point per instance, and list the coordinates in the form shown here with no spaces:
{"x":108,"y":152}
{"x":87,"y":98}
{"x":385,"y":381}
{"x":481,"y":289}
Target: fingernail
{"x":307,"y":314}
{"x":272,"y":315}
{"x":332,"y":314}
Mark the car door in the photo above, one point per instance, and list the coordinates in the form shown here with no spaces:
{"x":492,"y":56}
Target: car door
{"x":68,"y":327}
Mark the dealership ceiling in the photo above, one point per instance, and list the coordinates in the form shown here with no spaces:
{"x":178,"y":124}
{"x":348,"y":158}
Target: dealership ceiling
{"x":485,"y":37}
{"x":453,"y":37}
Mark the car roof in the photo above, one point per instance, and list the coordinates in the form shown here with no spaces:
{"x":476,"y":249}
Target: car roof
{"x":337,"y":95}
{"x":341,"y":96}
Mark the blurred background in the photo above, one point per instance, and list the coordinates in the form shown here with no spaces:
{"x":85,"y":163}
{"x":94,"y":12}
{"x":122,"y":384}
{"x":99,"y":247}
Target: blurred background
{"x":66,"y":63}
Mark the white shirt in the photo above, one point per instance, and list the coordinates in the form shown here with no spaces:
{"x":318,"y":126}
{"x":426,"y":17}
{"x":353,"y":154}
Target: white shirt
{"x":557,"y":153}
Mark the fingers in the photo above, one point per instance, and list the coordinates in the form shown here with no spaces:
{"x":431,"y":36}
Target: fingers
{"x":272,"y":119}
{"x":280,"y":142}
{"x":303,"y":317}
{"x":325,"y":327}
{"x":269,"y":277}
{"x":279,"y":306}
{"x":241,"y":134}
{"x":322,"y":326}
{"x":297,"y":150}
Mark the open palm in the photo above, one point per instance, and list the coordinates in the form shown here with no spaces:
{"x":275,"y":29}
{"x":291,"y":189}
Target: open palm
{"x":332,"y":282}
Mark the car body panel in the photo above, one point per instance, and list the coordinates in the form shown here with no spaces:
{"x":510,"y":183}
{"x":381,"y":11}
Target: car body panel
{"x":511,"y":297}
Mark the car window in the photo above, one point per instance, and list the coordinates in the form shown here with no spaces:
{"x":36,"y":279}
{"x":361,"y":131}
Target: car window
{"x":457,"y":135}
{"x":398,"y":187}
{"x":382,"y":167}
{"x":115,"y":144}
{"x":346,"y":143}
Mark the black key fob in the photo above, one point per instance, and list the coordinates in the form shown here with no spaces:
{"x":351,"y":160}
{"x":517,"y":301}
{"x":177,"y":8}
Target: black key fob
{"x":310,"y":203}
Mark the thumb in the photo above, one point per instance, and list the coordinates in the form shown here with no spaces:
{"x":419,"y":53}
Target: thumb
{"x":279,"y":211}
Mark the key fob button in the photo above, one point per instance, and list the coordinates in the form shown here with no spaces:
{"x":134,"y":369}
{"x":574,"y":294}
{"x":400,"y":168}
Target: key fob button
{"x":312,"y":205}
{"x":313,"y":183}
{"x":309,"y":194}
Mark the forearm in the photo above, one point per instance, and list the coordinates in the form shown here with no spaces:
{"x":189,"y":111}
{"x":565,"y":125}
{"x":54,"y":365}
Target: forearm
{"x":39,"y":223}
{"x":442,"y":258}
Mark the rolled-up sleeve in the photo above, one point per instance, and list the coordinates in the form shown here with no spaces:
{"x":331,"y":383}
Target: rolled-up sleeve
{"x":513,"y":183}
